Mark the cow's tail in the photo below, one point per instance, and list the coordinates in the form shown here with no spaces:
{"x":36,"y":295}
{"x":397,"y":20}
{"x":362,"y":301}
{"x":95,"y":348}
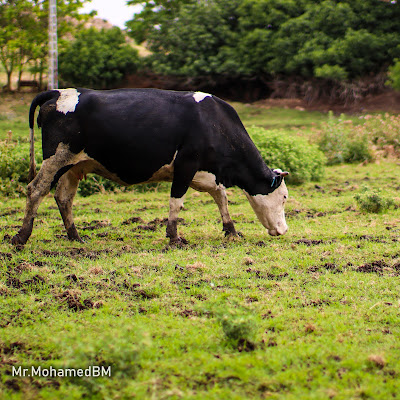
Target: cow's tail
{"x":39,"y":100}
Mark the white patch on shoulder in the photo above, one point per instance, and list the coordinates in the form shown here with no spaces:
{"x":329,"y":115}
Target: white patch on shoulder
{"x":200,"y":96}
{"x":68,"y":100}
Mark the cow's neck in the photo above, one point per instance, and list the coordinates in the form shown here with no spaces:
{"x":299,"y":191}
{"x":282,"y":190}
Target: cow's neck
{"x":250,"y":174}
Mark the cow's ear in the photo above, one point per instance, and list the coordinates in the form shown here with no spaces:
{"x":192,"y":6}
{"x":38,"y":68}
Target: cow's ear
{"x":279,"y":171}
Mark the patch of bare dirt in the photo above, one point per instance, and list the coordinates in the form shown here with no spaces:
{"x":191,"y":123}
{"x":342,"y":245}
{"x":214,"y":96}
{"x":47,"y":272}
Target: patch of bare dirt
{"x":133,"y":220}
{"x":16,"y":283}
{"x":155,"y":223}
{"x":309,"y":242}
{"x":267,"y":275}
{"x":373,"y":267}
{"x":389,"y":101}
{"x":96,"y":225}
{"x":327,"y":267}
{"x":72,"y":299}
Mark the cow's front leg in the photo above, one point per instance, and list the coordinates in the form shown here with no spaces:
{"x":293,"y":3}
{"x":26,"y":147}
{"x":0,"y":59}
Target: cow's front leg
{"x":175,"y":206}
{"x":64,"y":196}
{"x":205,"y":182}
{"x":38,"y":189}
{"x":185,"y":167}
{"x":219,"y":196}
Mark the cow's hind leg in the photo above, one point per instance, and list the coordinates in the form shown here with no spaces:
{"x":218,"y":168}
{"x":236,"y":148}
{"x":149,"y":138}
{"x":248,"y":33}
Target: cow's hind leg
{"x":39,"y":188}
{"x":205,"y":182}
{"x":64,"y":196}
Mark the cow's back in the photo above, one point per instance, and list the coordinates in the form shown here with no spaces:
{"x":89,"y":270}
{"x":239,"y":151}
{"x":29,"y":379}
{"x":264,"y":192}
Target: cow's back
{"x":133,"y":132}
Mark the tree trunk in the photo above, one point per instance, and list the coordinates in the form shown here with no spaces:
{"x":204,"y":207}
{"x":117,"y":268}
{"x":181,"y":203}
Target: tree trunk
{"x":19,"y":79}
{"x":8,"y":85}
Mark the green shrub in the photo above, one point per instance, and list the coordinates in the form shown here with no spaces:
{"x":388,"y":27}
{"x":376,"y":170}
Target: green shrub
{"x":342,"y":143}
{"x":394,"y":75}
{"x":97,"y":59}
{"x":14,"y":161}
{"x":14,"y":167}
{"x":372,"y":201}
{"x":304,"y":161}
{"x":97,"y":184}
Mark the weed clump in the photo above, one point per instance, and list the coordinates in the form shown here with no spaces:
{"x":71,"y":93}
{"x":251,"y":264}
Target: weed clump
{"x":372,"y":201}
{"x":14,"y":166}
{"x":342,"y":143}
{"x":239,"y":327}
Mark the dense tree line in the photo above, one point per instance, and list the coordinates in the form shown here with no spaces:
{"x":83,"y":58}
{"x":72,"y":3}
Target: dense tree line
{"x":293,"y":47}
{"x":273,"y":40}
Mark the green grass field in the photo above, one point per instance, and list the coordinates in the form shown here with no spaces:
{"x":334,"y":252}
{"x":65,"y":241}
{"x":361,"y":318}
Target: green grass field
{"x":311,"y":315}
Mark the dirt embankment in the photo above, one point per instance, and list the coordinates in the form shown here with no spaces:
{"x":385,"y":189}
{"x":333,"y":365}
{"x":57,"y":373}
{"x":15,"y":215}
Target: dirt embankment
{"x":387,"y":102}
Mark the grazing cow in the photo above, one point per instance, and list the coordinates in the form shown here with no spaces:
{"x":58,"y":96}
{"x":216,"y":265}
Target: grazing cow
{"x":148,"y":135}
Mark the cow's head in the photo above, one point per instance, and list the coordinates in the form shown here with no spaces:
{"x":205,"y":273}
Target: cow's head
{"x":270,"y":208}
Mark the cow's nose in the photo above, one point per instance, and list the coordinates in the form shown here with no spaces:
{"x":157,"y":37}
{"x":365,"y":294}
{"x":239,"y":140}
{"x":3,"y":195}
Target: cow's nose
{"x":282,"y":231}
{"x":278,"y":231}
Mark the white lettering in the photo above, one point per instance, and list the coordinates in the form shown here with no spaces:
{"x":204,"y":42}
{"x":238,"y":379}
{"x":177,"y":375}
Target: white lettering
{"x":50,"y":372}
{"x":18,"y":371}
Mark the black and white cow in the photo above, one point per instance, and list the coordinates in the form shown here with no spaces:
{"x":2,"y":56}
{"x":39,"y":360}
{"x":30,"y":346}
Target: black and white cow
{"x":148,"y":135}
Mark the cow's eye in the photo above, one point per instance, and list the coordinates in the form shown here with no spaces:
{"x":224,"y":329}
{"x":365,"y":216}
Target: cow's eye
{"x":285,"y":197}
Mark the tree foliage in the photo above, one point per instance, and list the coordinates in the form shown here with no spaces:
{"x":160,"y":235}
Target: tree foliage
{"x":97,"y":59}
{"x":23,"y":31}
{"x":333,"y":40}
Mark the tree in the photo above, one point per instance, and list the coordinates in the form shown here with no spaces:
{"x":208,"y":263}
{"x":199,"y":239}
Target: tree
{"x":153,"y":15}
{"x":97,"y":59}
{"x":191,"y":44}
{"x":15,"y":44}
{"x":23,"y":31}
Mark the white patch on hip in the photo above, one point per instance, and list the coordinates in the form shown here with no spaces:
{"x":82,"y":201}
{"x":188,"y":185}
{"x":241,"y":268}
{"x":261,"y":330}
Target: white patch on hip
{"x":68,"y":100}
{"x":200,"y":96}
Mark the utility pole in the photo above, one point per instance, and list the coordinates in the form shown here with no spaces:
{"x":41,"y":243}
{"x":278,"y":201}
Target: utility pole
{"x":53,"y":48}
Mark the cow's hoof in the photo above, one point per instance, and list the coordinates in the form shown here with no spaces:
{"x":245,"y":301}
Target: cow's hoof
{"x":76,"y":239}
{"x":233,"y":236}
{"x":17,"y":240}
{"x":178,"y":242}
{"x":73,"y":234}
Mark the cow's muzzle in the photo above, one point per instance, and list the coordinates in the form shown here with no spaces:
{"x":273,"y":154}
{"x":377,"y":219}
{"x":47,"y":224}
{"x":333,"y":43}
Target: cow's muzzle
{"x":278,"y":232}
